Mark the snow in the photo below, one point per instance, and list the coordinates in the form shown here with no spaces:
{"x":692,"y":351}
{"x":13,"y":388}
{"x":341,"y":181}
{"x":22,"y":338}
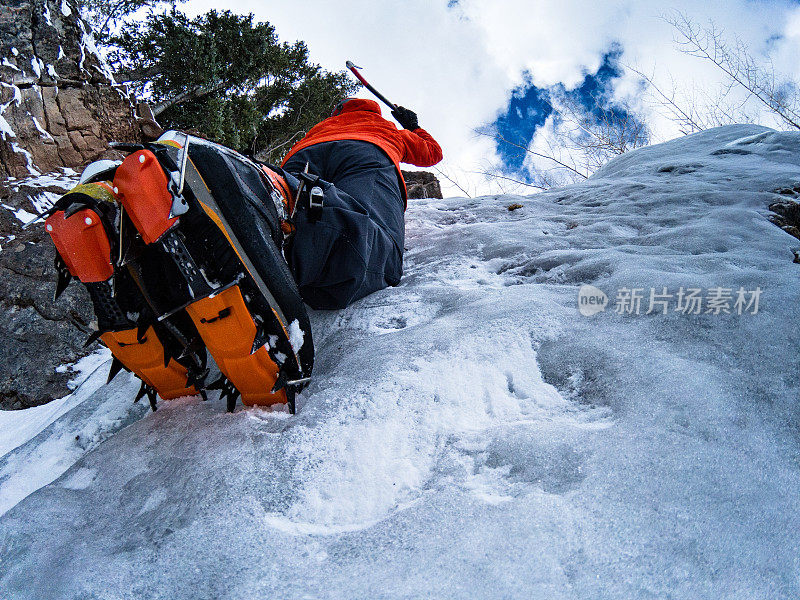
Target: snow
{"x":19,"y":426}
{"x":88,"y":44}
{"x":7,"y":239}
{"x":5,"y":128}
{"x":66,"y":179}
{"x":296,"y":335}
{"x":9,"y":64}
{"x":37,"y":65}
{"x":44,"y":201}
{"x":29,"y":164}
{"x":470,"y":434}
{"x":63,"y":180}
{"x":42,"y":132}
{"x":17,"y":99}
{"x":21,"y":214}
{"x":39,"y":444}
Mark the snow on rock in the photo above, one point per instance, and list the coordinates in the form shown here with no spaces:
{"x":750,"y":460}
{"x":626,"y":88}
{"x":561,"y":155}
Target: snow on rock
{"x":5,"y":128}
{"x":28,"y":157}
{"x":469,"y":434}
{"x":63,"y":180}
{"x":24,"y":216}
{"x":37,"y":334}
{"x":62,"y":86}
{"x":45,"y":135}
{"x":41,"y":190}
{"x":88,"y":45}
{"x":37,"y":65}
{"x":6,"y":131}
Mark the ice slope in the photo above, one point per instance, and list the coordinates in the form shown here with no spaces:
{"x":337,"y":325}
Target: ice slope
{"x":469,"y":434}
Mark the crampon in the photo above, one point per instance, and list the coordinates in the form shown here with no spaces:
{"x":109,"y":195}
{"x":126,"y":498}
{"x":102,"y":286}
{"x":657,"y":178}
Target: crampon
{"x":180,"y":249}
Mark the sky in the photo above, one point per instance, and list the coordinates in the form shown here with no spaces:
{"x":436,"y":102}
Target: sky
{"x":472,"y":66}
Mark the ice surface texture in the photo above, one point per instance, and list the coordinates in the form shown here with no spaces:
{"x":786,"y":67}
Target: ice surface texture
{"x":469,"y":434}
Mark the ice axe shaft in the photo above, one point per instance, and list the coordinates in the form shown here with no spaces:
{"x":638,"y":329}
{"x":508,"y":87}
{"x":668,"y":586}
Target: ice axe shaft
{"x":351,"y":65}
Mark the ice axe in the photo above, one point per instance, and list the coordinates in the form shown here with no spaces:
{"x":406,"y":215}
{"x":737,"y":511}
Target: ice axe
{"x":351,"y":65}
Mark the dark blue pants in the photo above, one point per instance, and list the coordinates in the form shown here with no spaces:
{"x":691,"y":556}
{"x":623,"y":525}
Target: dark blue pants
{"x":356,"y":246}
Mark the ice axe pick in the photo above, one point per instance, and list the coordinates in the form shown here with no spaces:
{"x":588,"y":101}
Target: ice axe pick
{"x":352,"y":66}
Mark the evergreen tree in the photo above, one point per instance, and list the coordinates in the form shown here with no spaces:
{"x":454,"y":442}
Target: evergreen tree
{"x":104,"y":15}
{"x":228,"y":77}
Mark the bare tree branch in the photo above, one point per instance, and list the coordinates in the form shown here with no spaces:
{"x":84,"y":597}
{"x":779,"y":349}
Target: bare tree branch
{"x":529,"y":151}
{"x":453,"y":181}
{"x":493,"y":175}
{"x":759,"y":81}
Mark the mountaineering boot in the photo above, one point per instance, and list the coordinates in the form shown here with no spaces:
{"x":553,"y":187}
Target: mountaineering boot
{"x":82,"y":227}
{"x":218,"y":220}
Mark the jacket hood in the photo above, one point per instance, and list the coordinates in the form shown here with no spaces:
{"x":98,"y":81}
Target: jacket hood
{"x":359,"y":104}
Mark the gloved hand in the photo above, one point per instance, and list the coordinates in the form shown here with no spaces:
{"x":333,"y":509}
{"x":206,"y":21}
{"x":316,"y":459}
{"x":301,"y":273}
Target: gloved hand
{"x":407,"y":118}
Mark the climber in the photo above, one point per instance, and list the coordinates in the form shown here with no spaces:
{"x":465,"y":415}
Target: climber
{"x":352,"y":245}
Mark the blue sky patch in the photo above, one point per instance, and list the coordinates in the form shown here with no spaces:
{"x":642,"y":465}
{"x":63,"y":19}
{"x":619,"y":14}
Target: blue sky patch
{"x":530,"y":106}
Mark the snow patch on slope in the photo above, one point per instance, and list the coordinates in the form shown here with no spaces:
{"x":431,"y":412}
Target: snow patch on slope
{"x":19,"y":426}
{"x":386,"y":442}
{"x":39,"y":444}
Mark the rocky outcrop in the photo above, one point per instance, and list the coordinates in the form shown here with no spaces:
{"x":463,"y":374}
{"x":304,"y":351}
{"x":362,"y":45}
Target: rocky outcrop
{"x":422,"y":184}
{"x":59,"y":108}
{"x":786,"y":213}
{"x":58,"y":104}
{"x":37,"y":335}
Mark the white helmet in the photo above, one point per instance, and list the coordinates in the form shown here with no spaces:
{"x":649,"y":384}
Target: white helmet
{"x":97,"y":168}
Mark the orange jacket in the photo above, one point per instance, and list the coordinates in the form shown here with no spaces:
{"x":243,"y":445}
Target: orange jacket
{"x":361,"y":120}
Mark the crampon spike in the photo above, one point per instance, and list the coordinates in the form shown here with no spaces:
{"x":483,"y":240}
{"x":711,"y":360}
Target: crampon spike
{"x":151,"y":395}
{"x":150,"y":392}
{"x":227,"y":391}
{"x":196,"y":350}
{"x":141,"y":329}
{"x":92,"y":338}
{"x":64,"y":277}
{"x":185,"y":353}
{"x":217,"y":383}
{"x":116,"y":367}
{"x":196,"y":378}
{"x":290,"y":400}
{"x":230,"y":395}
{"x":280,"y":383}
{"x":259,"y":340}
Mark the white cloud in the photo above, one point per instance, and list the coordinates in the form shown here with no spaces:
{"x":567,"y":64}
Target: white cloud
{"x":457,"y":67}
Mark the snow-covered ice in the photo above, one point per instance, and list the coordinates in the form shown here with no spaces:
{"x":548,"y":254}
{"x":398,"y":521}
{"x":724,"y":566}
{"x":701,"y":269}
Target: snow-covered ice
{"x":19,"y":426}
{"x":37,"y":445}
{"x":470,"y":434}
